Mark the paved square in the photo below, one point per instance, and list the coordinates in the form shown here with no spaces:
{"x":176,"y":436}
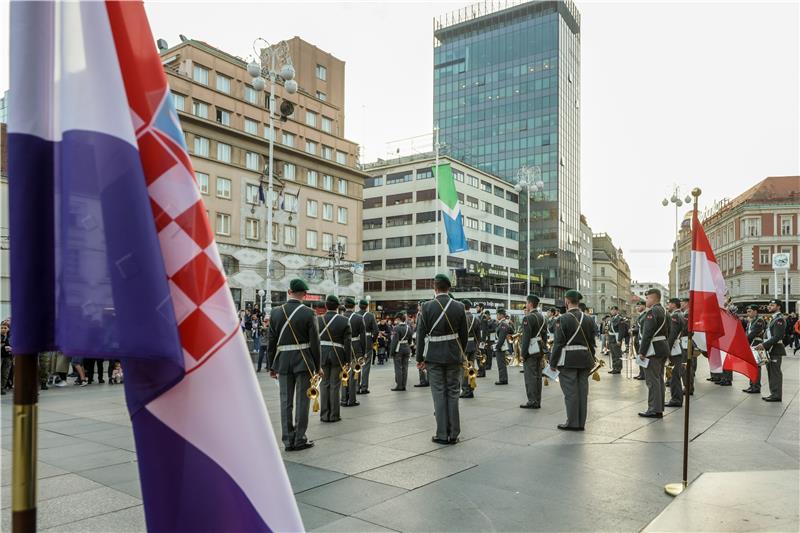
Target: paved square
{"x":378,"y":470}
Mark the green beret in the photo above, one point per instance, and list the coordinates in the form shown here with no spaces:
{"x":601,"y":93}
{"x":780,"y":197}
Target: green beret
{"x":442,"y":277}
{"x":487,"y":313}
{"x":573,"y":294}
{"x":363,"y":303}
{"x":349,"y":301}
{"x":501,"y":311}
{"x":467,"y":303}
{"x":532,"y":298}
{"x":653,"y":291}
{"x":298,"y":285}
{"x":754,"y":307}
{"x":332,"y":299}
{"x":676,"y":301}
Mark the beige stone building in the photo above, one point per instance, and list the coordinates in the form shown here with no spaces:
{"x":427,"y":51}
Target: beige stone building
{"x":611,"y":278}
{"x":318,"y":186}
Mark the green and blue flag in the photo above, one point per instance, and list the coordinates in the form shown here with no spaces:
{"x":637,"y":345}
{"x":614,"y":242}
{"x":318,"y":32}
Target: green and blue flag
{"x":451,"y":210}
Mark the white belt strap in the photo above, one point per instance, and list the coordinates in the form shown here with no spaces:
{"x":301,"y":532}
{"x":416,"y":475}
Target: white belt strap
{"x":442,"y":338}
{"x":288,"y":319}
{"x":334,"y":317}
{"x":331,"y":343}
{"x":658,"y":338}
{"x":404,"y":341}
{"x":574,"y":347}
{"x":441,"y":315}
{"x":294,"y":347}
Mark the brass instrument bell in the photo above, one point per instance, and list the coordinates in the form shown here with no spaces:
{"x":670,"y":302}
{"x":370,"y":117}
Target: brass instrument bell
{"x":470,"y":374}
{"x":668,"y":372}
{"x":313,"y":392}
{"x":357,"y":368}
{"x":598,"y":364}
{"x":344,"y":375}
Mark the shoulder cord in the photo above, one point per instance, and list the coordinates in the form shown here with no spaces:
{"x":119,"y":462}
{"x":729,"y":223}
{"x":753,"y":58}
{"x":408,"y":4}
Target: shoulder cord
{"x":452,"y":330}
{"x":303,"y":355}
{"x":580,"y":323}
{"x":335,"y":351}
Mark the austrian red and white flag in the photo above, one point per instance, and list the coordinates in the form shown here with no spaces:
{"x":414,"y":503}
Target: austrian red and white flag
{"x":715,"y":330}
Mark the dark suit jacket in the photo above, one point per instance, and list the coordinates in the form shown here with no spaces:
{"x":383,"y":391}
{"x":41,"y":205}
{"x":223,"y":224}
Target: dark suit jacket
{"x":655,"y":324}
{"x":566,"y":326}
{"x":444,"y":352}
{"x":359,"y":341}
{"x":777,"y":329}
{"x":531,"y":324}
{"x":403,"y":331}
{"x":338,"y":331}
{"x":473,"y":331}
{"x":676,"y":327}
{"x":302,"y":330}
{"x":755,"y":331}
{"x":371,"y":328}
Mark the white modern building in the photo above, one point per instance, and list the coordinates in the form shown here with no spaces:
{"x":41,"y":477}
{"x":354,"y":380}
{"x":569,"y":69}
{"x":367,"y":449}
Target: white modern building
{"x":400,"y":229}
{"x":638,"y":288}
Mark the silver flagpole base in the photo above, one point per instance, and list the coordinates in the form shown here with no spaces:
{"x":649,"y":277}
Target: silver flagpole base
{"x":673,"y":489}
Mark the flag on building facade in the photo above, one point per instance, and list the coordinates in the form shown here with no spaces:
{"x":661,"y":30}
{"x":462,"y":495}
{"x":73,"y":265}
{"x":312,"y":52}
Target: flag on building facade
{"x":714,"y":328}
{"x":451,"y":210}
{"x":120,"y":263}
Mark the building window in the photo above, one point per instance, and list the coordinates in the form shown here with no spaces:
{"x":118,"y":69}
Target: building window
{"x":602,"y":288}
{"x":426,"y":195}
{"x":512,"y":254}
{"x":426,"y":216}
{"x":223,"y":188}
{"x":322,"y":96}
{"x":472,"y":244}
{"x":311,"y":239}
{"x":290,"y":235}
{"x":498,"y":250}
{"x":373,"y":265}
{"x":370,"y":203}
{"x":223,"y":224}
{"x":472,"y":202}
{"x":372,"y":244}
{"x":486,"y":248}
{"x":287,"y":139}
{"x":373,"y":286}
{"x":399,"y":177}
{"x":311,"y":119}
{"x":223,"y":83}
{"x":223,"y":117}
{"x":341,"y":157}
{"x":199,"y":109}
{"x":252,"y":161}
{"x":398,"y":284}
{"x":327,"y":152}
{"x":250,"y":95}
{"x":472,"y":223}
{"x":290,"y":203}
{"x":511,"y":197}
{"x":327,"y":125}
{"x":499,"y":211}
{"x":511,"y":234}
{"x":458,"y":175}
{"x":763,"y":256}
{"x":397,"y":199}
{"x":250,"y":126}
{"x":269,"y":133}
{"x":251,"y":228}
{"x":499,"y":192}
{"x":603,"y":272}
{"x":512,"y":216}
{"x":398,"y":242}
{"x":312,"y":208}
{"x":486,"y":186}
{"x":395,"y":264}
{"x":426,"y":239}
{"x":487,"y":207}
{"x":200,"y":74}
{"x":341,"y":215}
{"x":289,"y":171}
{"x":322,"y":73}
{"x":341,"y":186}
{"x":327,"y":211}
{"x":786,"y":224}
{"x":424,"y":173}
{"x":341,"y":240}
{"x":426,"y":261}
{"x":472,"y":181}
{"x":224,"y":152}
{"x":311,"y":147}
{"x":327,"y":241}
{"x":764,"y":285}
{"x":201,"y":146}
{"x":202,"y":181}
{"x":327,"y":182}
{"x":424,"y":283}
{"x":275,"y":233}
{"x":486,"y":227}
{"x":251,"y":194}
{"x":180,"y":101}
{"x":311,"y":178}
{"x":399,"y":220}
{"x":372,"y":223}
{"x":455,"y":262}
{"x":751,"y":227}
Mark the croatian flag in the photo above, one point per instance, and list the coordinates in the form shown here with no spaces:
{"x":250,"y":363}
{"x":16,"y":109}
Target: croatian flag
{"x":114,"y":258}
{"x":716,"y":331}
{"x":451,"y":210}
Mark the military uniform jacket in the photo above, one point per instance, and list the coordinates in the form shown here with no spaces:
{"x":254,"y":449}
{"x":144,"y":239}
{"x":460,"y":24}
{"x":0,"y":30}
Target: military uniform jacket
{"x":755,"y":331}
{"x":436,"y":341}
{"x":654,"y":331}
{"x":370,"y":328}
{"x":533,"y":329}
{"x":402,"y":337}
{"x":473,"y":333}
{"x":504,"y":329}
{"x":334,"y":338}
{"x":613,"y":328}
{"x":573,"y":347}
{"x":358,"y":340}
{"x":293,"y":346}
{"x":677,"y":327}
{"x":773,"y":341}
{"x":488,"y":330}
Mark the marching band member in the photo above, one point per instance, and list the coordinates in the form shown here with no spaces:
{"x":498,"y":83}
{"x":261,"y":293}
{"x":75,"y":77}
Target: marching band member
{"x":755,"y":336}
{"x":335,"y":346}
{"x":654,"y":349}
{"x":534,"y":340}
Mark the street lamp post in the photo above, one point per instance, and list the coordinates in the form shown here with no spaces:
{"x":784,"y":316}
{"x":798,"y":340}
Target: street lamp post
{"x":676,"y":199}
{"x":261,"y":68}
{"x":529,"y":179}
{"x":335,"y":254}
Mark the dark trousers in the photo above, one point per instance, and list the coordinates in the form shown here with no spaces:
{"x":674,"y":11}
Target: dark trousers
{"x":262,"y":357}
{"x":423,"y":377}
{"x":502,"y":371}
{"x":775,"y":376}
{"x":445,"y":388}
{"x":756,"y":385}
{"x":532,"y":367}
{"x":654,"y":377}
{"x":616,"y":353}
{"x":575,"y":386}
{"x":677,"y":379}
{"x":489,"y":353}
{"x":349,"y":392}
{"x":293,"y":389}
{"x":90,"y":365}
{"x":727,"y":376}
{"x":329,"y":391}
{"x":400,"y":370}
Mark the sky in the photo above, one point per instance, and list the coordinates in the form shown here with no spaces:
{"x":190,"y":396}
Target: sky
{"x":681,"y":94}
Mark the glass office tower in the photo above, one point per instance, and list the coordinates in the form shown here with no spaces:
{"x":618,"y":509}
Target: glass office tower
{"x":507,"y":95}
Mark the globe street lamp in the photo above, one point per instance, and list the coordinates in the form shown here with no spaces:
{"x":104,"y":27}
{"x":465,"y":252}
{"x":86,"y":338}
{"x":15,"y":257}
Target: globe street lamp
{"x":529,"y":178}
{"x":261,"y":68}
{"x":676,"y":199}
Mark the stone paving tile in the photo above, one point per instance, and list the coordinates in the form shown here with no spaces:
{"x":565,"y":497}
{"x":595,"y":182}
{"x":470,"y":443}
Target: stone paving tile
{"x":91,"y":461}
{"x":54,"y":487}
{"x":110,"y":475}
{"x":349,"y":495}
{"x":314,"y":517}
{"x":415,"y":472}
{"x":304,"y":477}
{"x":365,"y":458}
{"x":43,"y":471}
{"x":130,"y":520}
{"x":350,"y":524}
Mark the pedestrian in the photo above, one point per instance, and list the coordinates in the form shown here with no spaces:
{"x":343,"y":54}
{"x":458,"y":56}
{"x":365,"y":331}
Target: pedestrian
{"x":773,"y":345}
{"x":502,"y":345}
{"x":532,"y":346}
{"x":357,"y":350}
{"x":654,"y":349}
{"x":371,"y":336}
{"x":263,"y":344}
{"x":5,"y":355}
{"x":400,"y":350}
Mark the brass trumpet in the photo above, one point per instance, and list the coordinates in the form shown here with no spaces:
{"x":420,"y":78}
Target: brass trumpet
{"x":668,"y":371}
{"x":482,"y":358}
{"x":470,"y":374}
{"x":357,"y":368}
{"x":313,"y":392}
{"x":598,"y":364}
{"x":344,"y":375}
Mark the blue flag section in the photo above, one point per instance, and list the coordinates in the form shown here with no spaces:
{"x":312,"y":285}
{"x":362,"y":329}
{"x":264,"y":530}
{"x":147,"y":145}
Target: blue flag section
{"x":451,"y":209}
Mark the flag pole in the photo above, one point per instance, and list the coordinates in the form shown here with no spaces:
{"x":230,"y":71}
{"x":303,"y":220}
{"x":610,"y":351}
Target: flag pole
{"x":23,"y":477}
{"x":673,"y":489}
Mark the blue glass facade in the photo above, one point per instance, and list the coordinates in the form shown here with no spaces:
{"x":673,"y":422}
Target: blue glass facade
{"x":506,"y":95}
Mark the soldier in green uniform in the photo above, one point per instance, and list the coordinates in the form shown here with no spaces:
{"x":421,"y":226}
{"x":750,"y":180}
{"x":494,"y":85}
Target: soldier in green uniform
{"x":534,"y":339}
{"x":358,"y":349}
{"x":334,"y":340}
{"x":614,"y":338}
{"x":755,"y":336}
{"x":636,"y":331}
{"x":654,"y":349}
{"x":773,"y":344}
{"x":370,"y":336}
{"x":473,"y":339}
{"x":294,"y":357}
{"x":441,"y":337}
{"x":400,"y":350}
{"x":501,"y":346}
{"x":685,"y":344}
{"x":573,"y":357}
{"x":677,"y":355}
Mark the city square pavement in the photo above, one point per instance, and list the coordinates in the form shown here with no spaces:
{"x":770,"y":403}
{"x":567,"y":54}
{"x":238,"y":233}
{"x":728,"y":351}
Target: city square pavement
{"x":378,"y":470}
